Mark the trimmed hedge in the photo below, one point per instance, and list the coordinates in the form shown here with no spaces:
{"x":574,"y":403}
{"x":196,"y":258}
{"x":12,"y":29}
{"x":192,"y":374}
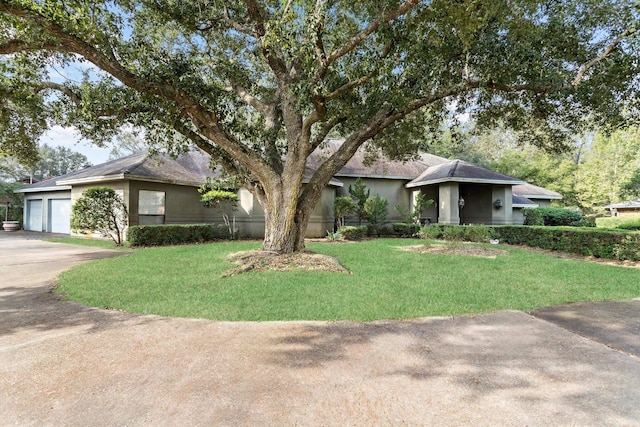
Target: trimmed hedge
{"x":459,"y":233}
{"x":532,"y":216}
{"x":404,"y":229}
{"x":598,"y":243}
{"x":162,"y":235}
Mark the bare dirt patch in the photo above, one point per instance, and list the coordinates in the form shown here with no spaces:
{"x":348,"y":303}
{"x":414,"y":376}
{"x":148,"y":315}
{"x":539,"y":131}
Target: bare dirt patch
{"x":273,"y":261}
{"x":453,"y":249}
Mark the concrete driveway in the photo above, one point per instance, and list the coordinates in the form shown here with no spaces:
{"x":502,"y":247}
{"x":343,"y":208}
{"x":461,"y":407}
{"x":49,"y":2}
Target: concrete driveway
{"x":65,"y":364}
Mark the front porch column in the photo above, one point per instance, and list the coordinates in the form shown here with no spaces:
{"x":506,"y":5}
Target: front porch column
{"x":448,"y":210}
{"x":504,"y":214}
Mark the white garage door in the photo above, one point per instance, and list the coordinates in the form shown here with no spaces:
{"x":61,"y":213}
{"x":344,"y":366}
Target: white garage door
{"x":34,"y":215}
{"x":60,"y":216}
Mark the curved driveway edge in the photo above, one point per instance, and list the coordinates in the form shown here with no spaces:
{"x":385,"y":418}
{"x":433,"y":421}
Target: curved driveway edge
{"x":65,"y":364}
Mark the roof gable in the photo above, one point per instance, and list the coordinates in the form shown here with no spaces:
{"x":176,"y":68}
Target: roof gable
{"x":191,"y":168}
{"x":461,"y":171}
{"x":358,"y":166}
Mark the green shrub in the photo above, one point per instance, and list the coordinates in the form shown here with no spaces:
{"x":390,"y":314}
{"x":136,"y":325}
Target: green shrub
{"x":343,"y":206}
{"x":598,"y":243}
{"x":360,"y":194}
{"x":102,"y":210}
{"x":385,"y":230}
{"x":162,"y":235}
{"x":349,"y":232}
{"x":454,"y":233}
{"x":377,"y":209}
{"x":431,"y":232}
{"x":532,"y":216}
{"x":478,"y":233}
{"x":460,"y":233}
{"x":404,"y":229}
{"x":630,"y":226}
{"x":589,"y":221}
{"x":560,"y":217}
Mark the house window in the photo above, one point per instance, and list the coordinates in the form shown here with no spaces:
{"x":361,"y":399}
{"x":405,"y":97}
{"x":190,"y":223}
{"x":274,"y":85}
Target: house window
{"x":150,"y":207}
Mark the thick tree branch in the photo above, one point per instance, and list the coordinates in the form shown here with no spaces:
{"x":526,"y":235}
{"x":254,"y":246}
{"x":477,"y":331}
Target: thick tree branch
{"x":257,"y":16}
{"x":248,"y":98}
{"x":227,"y":19}
{"x":15,"y":46}
{"x":325,"y":129}
{"x":77,"y":100}
{"x":74,"y":97}
{"x":360,"y":81}
{"x":360,"y":37}
{"x":607,"y":51}
{"x":321,"y":54}
{"x":220,"y":157}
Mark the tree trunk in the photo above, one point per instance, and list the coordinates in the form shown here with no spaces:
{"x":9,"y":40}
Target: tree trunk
{"x":285,"y":214}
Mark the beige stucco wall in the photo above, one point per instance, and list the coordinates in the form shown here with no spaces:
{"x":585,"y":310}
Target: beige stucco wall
{"x":121,"y":185}
{"x":518,"y":216}
{"x":627,"y":211}
{"x":182,"y":203}
{"x":504,"y":214}
{"x":543,"y":203}
{"x":448,"y":209}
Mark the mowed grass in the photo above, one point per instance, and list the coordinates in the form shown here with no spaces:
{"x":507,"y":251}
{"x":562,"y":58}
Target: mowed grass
{"x":95,"y":243}
{"x":385,"y":283}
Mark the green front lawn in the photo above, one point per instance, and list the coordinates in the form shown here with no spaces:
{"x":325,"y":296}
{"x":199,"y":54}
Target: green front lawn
{"x":95,"y":243}
{"x":386,"y":283}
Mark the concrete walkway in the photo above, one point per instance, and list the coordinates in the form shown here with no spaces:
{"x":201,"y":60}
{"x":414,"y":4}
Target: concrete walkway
{"x":65,"y":364}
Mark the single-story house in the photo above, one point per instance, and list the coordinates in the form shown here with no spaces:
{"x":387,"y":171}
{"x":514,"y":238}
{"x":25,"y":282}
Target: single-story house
{"x":630,"y":207}
{"x":163,"y":190}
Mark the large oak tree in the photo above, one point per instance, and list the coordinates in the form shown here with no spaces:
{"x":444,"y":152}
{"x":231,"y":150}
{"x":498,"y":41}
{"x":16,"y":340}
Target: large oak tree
{"x":260,"y":84}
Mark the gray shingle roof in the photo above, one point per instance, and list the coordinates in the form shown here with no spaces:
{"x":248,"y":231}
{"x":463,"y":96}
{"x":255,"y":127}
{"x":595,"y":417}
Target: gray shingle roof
{"x":629,"y":204}
{"x":191,"y":168}
{"x":531,"y":191}
{"x":358,"y":166}
{"x":461,"y":171}
{"x":432,"y":160}
{"x":522,"y":202}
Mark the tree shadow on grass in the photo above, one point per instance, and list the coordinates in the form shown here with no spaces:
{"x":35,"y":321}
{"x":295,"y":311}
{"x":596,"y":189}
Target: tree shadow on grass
{"x":40,"y":309}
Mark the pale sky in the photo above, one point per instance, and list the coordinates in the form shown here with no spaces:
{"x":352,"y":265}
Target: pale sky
{"x":69,"y":138}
